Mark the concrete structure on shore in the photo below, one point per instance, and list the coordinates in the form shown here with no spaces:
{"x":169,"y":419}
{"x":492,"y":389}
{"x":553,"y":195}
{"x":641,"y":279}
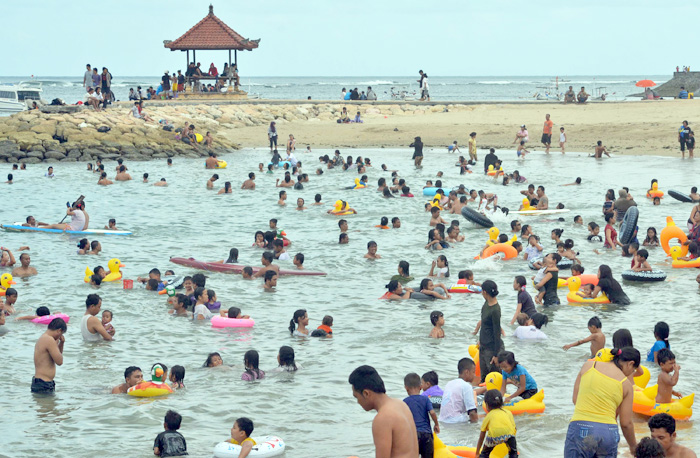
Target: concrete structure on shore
{"x":671,"y":88}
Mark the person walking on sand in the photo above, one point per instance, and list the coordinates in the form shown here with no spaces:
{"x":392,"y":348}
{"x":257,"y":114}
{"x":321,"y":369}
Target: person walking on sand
{"x":472,"y":146}
{"x":48,"y":352}
{"x":547,"y":133}
{"x":425,"y":94}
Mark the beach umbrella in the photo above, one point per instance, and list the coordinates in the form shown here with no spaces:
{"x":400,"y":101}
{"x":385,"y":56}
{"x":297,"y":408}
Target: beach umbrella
{"x":645,"y":83}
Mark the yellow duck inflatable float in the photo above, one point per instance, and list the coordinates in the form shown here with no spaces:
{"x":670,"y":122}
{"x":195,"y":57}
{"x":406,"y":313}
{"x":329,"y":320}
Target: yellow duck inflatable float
{"x":358,"y":184}
{"x":574,"y":283}
{"x":677,"y":252}
{"x":114,"y":274}
{"x":474,"y":354}
{"x":645,"y":403}
{"x":493,"y":247}
{"x":654,"y":191}
{"x":526,"y":205}
{"x":535,"y":404}
{"x":440,"y":450}
{"x":5,"y":282}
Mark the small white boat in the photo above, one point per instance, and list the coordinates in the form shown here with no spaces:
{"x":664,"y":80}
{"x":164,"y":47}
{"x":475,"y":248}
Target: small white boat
{"x":19,"y":97}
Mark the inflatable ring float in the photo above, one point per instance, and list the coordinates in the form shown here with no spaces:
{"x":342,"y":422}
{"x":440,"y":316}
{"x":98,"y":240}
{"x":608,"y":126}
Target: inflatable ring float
{"x":654,"y":275}
{"x":225,"y":322}
{"x":46,"y":319}
{"x":680,"y":196}
{"x":535,"y":404}
{"x":264,"y":447}
{"x":220,"y":165}
{"x":573,"y":298}
{"x":473,"y":351}
{"x":464,"y":288}
{"x":430,"y":191}
{"x":645,"y":403}
{"x":629,"y":225}
{"x":677,"y":252}
{"x":584,"y":278}
{"x":506,"y":248}
{"x":440,"y":450}
{"x":476,"y":217}
{"x":670,"y":232}
{"x":149,"y":390}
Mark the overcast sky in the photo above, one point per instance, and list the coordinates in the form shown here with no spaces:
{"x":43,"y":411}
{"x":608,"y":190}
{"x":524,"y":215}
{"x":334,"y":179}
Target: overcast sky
{"x":358,"y":38}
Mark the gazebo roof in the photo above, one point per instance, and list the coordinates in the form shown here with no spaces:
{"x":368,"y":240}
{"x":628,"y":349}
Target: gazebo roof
{"x":211,"y":33}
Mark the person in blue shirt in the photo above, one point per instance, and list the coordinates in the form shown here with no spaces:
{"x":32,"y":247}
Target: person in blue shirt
{"x":421,"y":407}
{"x":518,"y":376}
{"x":683,"y":136}
{"x":683,"y":94}
{"x":661,"y":332}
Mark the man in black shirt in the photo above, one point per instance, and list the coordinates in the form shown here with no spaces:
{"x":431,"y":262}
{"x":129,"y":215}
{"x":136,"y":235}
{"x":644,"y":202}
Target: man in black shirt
{"x":170,"y":442}
{"x":490,"y":159}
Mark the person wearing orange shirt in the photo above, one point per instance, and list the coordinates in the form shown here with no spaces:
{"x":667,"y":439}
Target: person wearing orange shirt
{"x":547,"y":133}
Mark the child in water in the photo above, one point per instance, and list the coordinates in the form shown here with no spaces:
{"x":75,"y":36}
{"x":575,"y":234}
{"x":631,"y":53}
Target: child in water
{"x":530,"y":328}
{"x":213,"y":360}
{"x":586,"y":291}
{"x":177,"y":377}
{"x":667,"y":362}
{"x":597,"y":338}
{"x":517,"y":375}
{"x":285,"y":359}
{"x":443,"y":267}
{"x":594,"y":233}
{"x":326,"y":325}
{"x":298,"y":324}
{"x":497,"y":428}
{"x":640,"y":261}
{"x":429,"y":385}
{"x":107,"y":322}
{"x":438,"y":321}
{"x":661,"y":332}
{"x":240,"y":435}
{"x":534,"y":249}
{"x":652,"y":238}
{"x":40,"y":311}
{"x":233,"y":312}
{"x":250,"y":362}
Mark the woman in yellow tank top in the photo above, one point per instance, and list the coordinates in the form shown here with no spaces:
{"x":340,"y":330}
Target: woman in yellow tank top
{"x":602,"y":392}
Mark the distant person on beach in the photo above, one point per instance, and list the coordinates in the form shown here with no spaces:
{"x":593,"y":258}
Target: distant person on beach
{"x":521,"y":135}
{"x":96,"y":79}
{"x":393,"y":428}
{"x":87,"y":78}
{"x":683,"y":135}
{"x":272,"y":135}
{"x":138,"y":113}
{"x":570,"y":95}
{"x":472,"y":146}
{"x":48,"y":352}
{"x":582,"y":95}
{"x":547,"y":133}
{"x":562,"y":140}
{"x":683,"y":94}
{"x":425,"y":93}
{"x":420,"y":80}
{"x":371,"y":95}
{"x":90,"y":99}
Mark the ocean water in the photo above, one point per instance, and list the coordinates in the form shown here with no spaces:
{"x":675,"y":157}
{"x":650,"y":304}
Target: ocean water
{"x":477,"y":88}
{"x":313,"y":410}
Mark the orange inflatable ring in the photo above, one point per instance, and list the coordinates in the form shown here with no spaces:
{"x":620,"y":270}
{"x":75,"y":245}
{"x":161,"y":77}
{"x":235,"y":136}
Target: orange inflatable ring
{"x":670,"y":232}
{"x":505,"y":248}
{"x":651,"y":194}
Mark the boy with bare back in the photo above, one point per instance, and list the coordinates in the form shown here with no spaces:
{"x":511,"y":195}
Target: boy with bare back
{"x":48,"y":352}
{"x":393,"y":428}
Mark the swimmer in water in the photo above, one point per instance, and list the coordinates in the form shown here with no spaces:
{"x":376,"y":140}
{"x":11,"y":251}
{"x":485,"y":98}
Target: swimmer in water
{"x":226,"y":189}
{"x":210,"y":181}
{"x":162,"y":182}
{"x":435,"y":218}
{"x":599,"y":150}
{"x":575,"y":183}
{"x":596,"y":338}
{"x":488,"y":197}
{"x":267,"y":258}
{"x":283,"y":197}
{"x":300,"y":204}
{"x":437,"y":319}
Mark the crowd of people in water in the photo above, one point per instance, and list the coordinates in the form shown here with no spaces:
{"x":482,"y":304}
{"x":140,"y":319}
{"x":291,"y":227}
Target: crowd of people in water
{"x":604,"y":387}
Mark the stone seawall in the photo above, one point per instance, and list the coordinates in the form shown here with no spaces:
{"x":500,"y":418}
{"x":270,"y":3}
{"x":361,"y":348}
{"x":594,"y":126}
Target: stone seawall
{"x":35,"y":136}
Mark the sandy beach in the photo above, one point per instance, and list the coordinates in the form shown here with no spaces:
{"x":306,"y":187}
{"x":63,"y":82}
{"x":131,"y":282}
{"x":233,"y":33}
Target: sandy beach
{"x":630,"y":128}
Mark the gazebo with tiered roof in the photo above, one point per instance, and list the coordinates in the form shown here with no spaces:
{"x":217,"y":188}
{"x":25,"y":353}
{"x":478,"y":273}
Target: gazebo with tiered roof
{"x":211,"y":33}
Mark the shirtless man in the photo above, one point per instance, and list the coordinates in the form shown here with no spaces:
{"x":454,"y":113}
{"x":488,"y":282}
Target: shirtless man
{"x":599,"y":150}
{"x":250,"y":182}
{"x":48,"y":352}
{"x":270,"y":280}
{"x":547,"y":133}
{"x":25,"y":270}
{"x":91,"y":327}
{"x":162,"y":182}
{"x":210,"y":181}
{"x":119,"y":164}
{"x":267,"y":258}
{"x":283,"y":197}
{"x":663,"y":429}
{"x":122,"y":175}
{"x":132,"y":376}
{"x":543,"y":203}
{"x":79,"y":219}
{"x":393,"y":428}
{"x":211,"y":161}
{"x":32,"y":222}
{"x":104,"y":181}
